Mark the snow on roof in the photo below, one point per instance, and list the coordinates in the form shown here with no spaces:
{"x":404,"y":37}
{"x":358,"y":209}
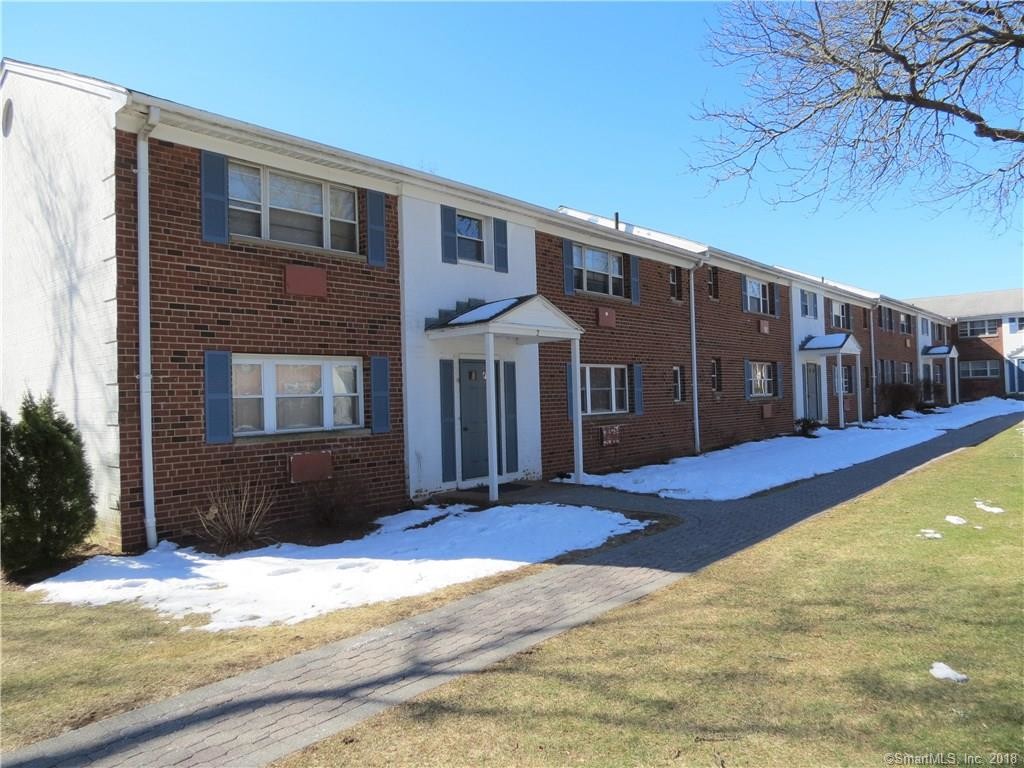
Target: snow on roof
{"x":828,"y":341}
{"x":485,"y":312}
{"x":944,"y":349}
{"x":633,"y":229}
{"x":980,"y":303}
{"x":832,"y":284}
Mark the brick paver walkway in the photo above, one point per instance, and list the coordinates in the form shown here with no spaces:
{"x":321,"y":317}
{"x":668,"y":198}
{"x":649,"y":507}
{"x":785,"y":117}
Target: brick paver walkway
{"x":260,"y":716}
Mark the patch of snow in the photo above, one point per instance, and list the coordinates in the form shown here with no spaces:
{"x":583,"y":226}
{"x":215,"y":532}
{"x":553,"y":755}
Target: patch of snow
{"x":738,"y":472}
{"x":928,"y":533}
{"x":483,"y":312}
{"x":985,"y":506}
{"x":978,"y":528}
{"x":290,"y":583}
{"x":828,"y":341}
{"x":942,"y":671}
{"x":956,"y":520}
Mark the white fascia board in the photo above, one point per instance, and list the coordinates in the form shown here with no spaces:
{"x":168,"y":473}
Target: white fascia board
{"x":208,"y":130}
{"x":510,"y":330}
{"x":117,"y":94}
{"x":734,"y":262}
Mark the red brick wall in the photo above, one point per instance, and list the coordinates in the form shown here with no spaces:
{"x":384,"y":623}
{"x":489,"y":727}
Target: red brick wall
{"x":981,"y":348}
{"x":725,"y":331}
{"x":893,"y":345}
{"x":231,"y":297}
{"x":655,"y":333}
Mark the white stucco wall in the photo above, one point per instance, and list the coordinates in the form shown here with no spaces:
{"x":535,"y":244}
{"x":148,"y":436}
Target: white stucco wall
{"x":57,"y":242}
{"x":429,"y":285}
{"x":802,"y":328}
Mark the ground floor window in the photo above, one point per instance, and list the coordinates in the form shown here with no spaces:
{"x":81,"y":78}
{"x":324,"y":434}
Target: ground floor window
{"x":763,"y":379}
{"x":906,"y":373}
{"x":295,"y":394}
{"x":716,"y":374}
{"x":847,"y":379}
{"x":679,"y":383}
{"x":979,"y":369}
{"x":937,"y":373}
{"x":603,"y":389}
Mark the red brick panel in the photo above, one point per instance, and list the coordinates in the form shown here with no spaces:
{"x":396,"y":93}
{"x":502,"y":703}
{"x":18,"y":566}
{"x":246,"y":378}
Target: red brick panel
{"x":893,"y":345}
{"x":232,"y":297}
{"x":981,"y":348}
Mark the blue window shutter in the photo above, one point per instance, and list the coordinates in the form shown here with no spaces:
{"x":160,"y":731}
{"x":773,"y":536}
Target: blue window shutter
{"x":213,"y":192}
{"x":637,"y":374}
{"x":447,"y":421}
{"x":500,"y":245}
{"x":567,"y":269}
{"x":376,"y":241}
{"x":498,"y":415}
{"x":778,"y":381}
{"x":568,"y":389}
{"x":634,"y":278}
{"x":776,"y":300}
{"x":748,"y":380}
{"x":743,"y":292}
{"x":380,"y":403}
{"x":449,"y":240}
{"x":511,"y":420}
{"x":217,"y":393}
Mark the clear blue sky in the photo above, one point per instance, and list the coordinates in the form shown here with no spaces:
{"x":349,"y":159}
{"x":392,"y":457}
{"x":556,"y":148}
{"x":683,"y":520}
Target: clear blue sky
{"x":576,"y":104}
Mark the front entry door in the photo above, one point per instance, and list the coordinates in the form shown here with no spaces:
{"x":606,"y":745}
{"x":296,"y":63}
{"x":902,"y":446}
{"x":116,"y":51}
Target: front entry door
{"x":473,"y":412}
{"x":812,"y":391}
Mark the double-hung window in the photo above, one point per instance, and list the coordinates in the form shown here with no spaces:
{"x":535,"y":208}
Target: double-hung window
{"x":808,"y":304}
{"x":679,"y":383}
{"x":841,"y":315}
{"x":926,"y":327}
{"x":847,"y":379}
{"x":906,"y":323}
{"x":675,"y":283}
{"x":469,"y":233}
{"x":603,"y":389}
{"x":762,"y":379}
{"x":906,"y":373}
{"x":295,"y":394}
{"x":716,"y":374}
{"x":885,"y":318}
{"x":597,"y":270}
{"x":713,"y":282}
{"x":758,"y":298}
{"x":290,"y":209}
{"x":937,"y":374}
{"x":979,"y":369}
{"x":979,"y":328}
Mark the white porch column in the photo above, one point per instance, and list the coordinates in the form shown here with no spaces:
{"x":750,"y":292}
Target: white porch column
{"x":860,"y":392}
{"x":577,"y":414}
{"x":492,"y":418}
{"x":838,"y":378}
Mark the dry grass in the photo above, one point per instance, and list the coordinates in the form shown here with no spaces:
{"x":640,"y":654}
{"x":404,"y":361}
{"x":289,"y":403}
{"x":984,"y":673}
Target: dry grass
{"x":64,"y":666}
{"x":812,"y":648}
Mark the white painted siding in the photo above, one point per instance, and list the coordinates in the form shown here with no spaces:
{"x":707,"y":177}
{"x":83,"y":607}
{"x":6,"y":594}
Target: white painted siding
{"x":57,"y":248}
{"x":802,"y":328}
{"x":429,"y":285}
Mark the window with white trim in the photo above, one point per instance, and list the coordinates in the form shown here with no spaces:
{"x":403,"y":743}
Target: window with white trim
{"x":762,"y":379}
{"x":938,"y":332}
{"x":979,"y":369}
{"x":675,"y":282}
{"x":295,"y":394}
{"x":885,"y":318}
{"x":808,"y":304}
{"x":926,"y":326}
{"x":906,"y":323}
{"x":291,"y":209}
{"x":716,"y":374}
{"x":841,"y":315}
{"x":469,"y":236}
{"x":758,"y":298}
{"x":604,"y":389}
{"x":679,"y":383}
{"x":597,"y":270}
{"x":906,"y":373}
{"x":1016,"y":324}
{"x":979,"y":328}
{"x":937,"y":374}
{"x":847,"y":379}
{"x":713,"y":282}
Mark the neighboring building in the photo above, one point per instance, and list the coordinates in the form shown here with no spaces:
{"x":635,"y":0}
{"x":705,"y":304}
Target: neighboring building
{"x":989,"y":329}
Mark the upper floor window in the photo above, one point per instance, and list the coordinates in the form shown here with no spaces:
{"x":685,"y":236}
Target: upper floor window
{"x":291,"y":209}
{"x":926,"y":326}
{"x":841,"y":315}
{"x":713,"y":282}
{"x":597,"y":270}
{"x":808,"y":304}
{"x":759,"y":296}
{"x":906,"y":323}
{"x":979,"y":369}
{"x":1016,"y":324}
{"x":675,"y":282}
{"x":469,"y":232}
{"x":979,"y":328}
{"x":886,"y":319}
{"x":292,"y":394}
{"x":603,"y":389}
{"x":938,"y":332}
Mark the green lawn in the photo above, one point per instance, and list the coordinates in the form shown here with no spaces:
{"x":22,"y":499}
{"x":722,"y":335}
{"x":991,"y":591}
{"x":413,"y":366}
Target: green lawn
{"x":64,"y":666}
{"x":812,"y":648}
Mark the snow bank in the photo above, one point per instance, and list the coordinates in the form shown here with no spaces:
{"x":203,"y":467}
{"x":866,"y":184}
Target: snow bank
{"x":289,"y":583}
{"x":942,"y":671}
{"x":749,"y":468}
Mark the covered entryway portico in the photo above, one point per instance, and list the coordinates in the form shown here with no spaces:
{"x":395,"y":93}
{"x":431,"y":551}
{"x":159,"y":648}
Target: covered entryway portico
{"x":519,"y":320}
{"x":947,"y":353}
{"x":815,"y":351}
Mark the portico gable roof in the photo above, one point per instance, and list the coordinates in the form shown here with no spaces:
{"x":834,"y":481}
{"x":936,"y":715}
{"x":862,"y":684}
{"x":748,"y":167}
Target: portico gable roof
{"x":527,"y":319}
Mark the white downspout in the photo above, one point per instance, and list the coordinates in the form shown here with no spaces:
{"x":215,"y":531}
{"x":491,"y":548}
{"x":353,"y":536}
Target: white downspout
{"x":874,"y":364}
{"x":145,"y":361}
{"x":693,"y":360}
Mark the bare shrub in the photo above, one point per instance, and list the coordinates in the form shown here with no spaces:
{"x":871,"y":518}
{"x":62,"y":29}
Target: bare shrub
{"x":236,"y":515}
{"x":337,"y":502}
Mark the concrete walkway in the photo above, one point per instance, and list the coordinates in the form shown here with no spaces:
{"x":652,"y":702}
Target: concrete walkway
{"x":260,"y":716}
